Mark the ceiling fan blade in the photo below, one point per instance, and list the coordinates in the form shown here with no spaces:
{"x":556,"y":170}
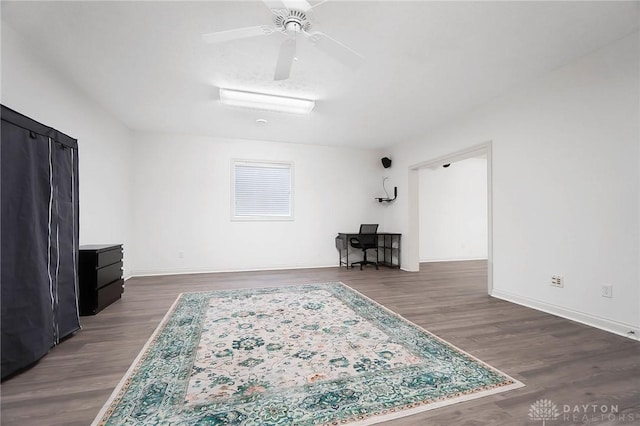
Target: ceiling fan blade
{"x":285,"y":59}
{"x":336,"y":50}
{"x":222,"y":36}
{"x":302,"y":5}
{"x":314,"y":3}
{"x":275,"y":4}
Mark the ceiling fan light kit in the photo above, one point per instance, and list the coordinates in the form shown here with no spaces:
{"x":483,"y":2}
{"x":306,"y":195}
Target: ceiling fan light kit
{"x":263,"y":101}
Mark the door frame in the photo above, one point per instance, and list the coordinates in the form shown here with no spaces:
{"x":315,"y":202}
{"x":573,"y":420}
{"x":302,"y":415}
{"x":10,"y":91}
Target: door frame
{"x":413,"y":246}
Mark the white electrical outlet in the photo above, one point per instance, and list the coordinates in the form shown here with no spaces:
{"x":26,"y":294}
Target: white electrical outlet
{"x":607,"y":290}
{"x":557,"y":281}
{"x":181,"y":255}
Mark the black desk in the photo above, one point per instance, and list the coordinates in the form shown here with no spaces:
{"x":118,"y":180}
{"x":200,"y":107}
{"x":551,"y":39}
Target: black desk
{"x":388,"y":253}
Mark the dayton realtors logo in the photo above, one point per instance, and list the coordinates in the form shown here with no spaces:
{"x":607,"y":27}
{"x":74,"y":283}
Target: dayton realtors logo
{"x":545,"y":410}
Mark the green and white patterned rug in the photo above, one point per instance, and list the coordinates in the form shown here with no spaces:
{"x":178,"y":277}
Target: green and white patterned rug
{"x":297,"y":355}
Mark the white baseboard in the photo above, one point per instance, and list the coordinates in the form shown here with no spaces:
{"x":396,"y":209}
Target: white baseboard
{"x":404,"y":268}
{"x":158,"y":272}
{"x":623,"y":329}
{"x":452,"y":260}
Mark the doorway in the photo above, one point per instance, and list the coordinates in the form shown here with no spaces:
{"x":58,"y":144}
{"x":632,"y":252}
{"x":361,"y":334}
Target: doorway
{"x":413,"y":247}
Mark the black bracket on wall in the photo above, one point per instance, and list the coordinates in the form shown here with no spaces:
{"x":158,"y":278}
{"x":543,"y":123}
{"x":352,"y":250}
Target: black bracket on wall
{"x":388,"y":200}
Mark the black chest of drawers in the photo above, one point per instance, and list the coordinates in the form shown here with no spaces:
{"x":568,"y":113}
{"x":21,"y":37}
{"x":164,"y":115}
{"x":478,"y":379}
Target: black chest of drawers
{"x":100,"y":277}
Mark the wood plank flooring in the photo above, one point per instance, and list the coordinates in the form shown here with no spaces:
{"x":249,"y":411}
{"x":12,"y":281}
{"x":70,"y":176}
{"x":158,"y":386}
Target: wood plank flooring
{"x":565,"y":362}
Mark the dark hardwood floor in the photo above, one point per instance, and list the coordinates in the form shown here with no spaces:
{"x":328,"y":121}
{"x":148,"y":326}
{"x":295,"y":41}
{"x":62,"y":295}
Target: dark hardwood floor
{"x":559,"y":360}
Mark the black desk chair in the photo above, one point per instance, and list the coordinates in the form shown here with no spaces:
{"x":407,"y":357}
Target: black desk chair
{"x":367,"y":239}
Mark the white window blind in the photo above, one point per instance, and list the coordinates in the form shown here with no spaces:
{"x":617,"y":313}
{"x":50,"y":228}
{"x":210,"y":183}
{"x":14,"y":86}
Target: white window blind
{"x":262,"y":190}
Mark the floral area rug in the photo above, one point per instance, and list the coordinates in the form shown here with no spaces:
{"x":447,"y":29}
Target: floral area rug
{"x":319,"y":354}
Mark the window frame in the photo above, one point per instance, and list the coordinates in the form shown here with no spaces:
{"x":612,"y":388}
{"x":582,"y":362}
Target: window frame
{"x":267,"y":164}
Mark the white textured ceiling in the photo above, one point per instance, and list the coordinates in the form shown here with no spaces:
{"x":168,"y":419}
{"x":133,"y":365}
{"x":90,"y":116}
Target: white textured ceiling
{"x":425,"y":62}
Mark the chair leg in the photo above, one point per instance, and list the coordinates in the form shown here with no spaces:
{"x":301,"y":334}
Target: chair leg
{"x":365,"y":261}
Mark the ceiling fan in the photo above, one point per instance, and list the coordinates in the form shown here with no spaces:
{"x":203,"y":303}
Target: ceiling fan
{"x":291,"y":18}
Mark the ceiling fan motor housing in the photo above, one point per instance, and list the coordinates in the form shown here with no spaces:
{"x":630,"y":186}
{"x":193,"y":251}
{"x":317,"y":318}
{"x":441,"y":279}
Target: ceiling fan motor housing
{"x":292,"y":20}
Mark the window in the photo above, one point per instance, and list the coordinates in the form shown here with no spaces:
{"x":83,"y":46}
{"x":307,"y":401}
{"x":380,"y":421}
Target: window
{"x":262,"y":191}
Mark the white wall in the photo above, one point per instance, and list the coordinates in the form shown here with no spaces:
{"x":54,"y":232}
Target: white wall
{"x":182,"y":204}
{"x":565,"y":168}
{"x":33,"y":88}
{"x":453,"y":211}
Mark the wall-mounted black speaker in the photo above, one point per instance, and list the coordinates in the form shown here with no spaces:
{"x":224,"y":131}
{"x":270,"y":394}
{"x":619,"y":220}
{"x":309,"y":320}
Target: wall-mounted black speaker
{"x":386,"y":162}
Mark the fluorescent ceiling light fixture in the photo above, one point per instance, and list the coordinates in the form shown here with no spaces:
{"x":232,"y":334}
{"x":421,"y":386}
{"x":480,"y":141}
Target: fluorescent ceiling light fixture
{"x":263,"y":101}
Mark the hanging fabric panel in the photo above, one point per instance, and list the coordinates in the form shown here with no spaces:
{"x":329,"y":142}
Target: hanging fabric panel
{"x":65,"y":196}
{"x":39,"y":225}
